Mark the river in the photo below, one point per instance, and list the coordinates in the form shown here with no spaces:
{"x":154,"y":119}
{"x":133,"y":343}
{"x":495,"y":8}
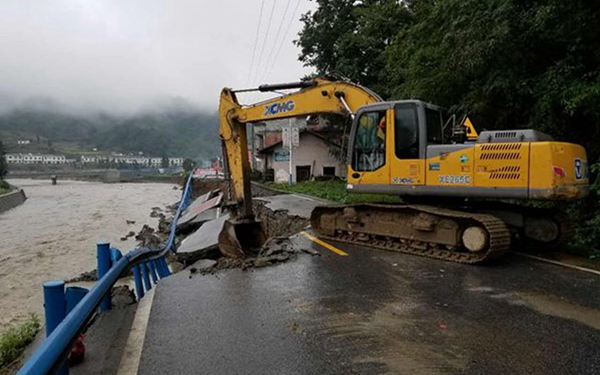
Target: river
{"x":53,"y":235}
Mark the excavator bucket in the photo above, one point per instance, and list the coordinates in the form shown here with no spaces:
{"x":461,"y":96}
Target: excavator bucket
{"x":239,"y":239}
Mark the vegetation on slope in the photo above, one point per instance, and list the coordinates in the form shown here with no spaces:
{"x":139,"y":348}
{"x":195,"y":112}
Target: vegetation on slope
{"x":507,"y":63}
{"x":170,"y":133}
{"x":15,"y":340}
{"x":335,"y":191}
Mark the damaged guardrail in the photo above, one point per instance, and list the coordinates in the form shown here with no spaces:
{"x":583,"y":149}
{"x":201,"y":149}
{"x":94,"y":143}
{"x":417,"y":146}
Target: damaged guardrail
{"x":148,"y":267}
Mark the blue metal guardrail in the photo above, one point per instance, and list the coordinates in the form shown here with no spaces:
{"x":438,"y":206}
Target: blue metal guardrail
{"x":148,"y":266}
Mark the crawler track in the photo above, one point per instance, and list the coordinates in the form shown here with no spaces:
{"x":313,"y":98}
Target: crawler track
{"x":414,"y":229}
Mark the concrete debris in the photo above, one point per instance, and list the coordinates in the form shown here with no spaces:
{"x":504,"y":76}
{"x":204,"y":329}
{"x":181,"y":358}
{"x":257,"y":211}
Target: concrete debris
{"x":191,"y":213}
{"x":203,"y":243}
{"x":206,"y":216}
{"x":275,"y":250}
{"x":202,"y":264}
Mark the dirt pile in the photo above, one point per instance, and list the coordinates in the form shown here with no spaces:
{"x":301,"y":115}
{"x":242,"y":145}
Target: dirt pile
{"x":278,"y":223}
{"x":276,"y":250}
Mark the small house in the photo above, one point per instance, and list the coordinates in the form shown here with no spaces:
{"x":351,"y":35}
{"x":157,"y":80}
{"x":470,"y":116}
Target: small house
{"x":314,"y":157}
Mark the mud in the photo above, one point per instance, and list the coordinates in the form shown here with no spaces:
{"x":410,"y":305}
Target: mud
{"x":148,"y":238}
{"x":278,"y":223}
{"x":200,"y":187}
{"x":276,"y":250}
{"x":278,"y":226}
{"x":84,"y":276}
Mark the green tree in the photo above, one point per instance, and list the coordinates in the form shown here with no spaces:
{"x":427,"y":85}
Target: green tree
{"x":165,"y":162}
{"x":348,"y":39}
{"x":509,"y":63}
{"x":3,"y":166}
{"x":188,"y":164}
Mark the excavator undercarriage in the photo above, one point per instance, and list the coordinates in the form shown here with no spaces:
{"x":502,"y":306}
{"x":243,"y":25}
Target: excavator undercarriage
{"x":471,"y":234}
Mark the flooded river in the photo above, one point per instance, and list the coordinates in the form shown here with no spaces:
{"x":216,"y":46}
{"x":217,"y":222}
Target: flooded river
{"x":53,"y":235}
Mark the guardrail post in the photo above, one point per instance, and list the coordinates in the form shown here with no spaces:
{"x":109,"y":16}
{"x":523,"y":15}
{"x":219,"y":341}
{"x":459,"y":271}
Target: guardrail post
{"x":55,"y":309}
{"x":164,"y":266}
{"x":104,"y":263}
{"x":54,"y":304}
{"x":115,"y":255}
{"x":153,"y":272}
{"x":159,"y":268}
{"x":146,"y":276}
{"x":73,"y":295}
{"x":139,"y":287}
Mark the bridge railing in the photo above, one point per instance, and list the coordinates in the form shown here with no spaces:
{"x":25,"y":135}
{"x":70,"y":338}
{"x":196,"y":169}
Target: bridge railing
{"x":148,"y":266}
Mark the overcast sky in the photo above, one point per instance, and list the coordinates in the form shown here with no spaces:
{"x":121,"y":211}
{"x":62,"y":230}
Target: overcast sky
{"x":127,"y":55}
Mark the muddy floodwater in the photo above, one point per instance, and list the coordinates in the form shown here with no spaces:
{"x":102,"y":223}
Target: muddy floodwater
{"x":53,"y":235}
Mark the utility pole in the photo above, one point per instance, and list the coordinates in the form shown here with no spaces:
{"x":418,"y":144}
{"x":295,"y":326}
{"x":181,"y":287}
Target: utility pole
{"x":291,"y":152}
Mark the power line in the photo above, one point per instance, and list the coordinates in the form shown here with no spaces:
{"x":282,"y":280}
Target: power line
{"x":287,"y":5}
{"x":289,"y":26}
{"x":262,"y":50}
{"x":262,"y":5}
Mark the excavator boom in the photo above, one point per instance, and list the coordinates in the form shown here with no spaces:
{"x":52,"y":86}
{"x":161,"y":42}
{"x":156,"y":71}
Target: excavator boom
{"x":242,"y":233}
{"x":400,"y":148}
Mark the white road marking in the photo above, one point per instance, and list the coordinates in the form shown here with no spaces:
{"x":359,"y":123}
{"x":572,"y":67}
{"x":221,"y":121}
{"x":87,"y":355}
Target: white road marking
{"x":130,"y":360}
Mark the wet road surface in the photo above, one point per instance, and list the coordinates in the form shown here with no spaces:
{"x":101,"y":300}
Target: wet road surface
{"x":376,"y":312}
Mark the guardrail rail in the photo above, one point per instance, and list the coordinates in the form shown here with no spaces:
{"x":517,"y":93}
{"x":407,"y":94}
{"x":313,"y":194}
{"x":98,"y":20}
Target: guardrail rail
{"x":149,"y":266}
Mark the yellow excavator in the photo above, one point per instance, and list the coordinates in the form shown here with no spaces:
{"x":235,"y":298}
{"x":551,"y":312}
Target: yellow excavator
{"x":456,"y":186}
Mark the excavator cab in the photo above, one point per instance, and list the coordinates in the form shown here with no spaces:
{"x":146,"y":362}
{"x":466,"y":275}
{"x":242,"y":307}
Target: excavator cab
{"x":389,"y":143}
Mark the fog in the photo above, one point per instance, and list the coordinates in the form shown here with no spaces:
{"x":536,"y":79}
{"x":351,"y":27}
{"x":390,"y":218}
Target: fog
{"x":126,"y":56}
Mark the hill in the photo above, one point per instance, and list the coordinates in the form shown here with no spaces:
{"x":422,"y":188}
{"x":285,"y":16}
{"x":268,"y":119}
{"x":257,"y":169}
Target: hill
{"x":172,"y":132}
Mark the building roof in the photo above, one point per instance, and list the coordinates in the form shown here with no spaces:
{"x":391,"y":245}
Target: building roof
{"x":271,"y":148}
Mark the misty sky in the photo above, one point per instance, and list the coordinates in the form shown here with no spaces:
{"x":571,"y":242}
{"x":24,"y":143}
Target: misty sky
{"x":123,"y":56}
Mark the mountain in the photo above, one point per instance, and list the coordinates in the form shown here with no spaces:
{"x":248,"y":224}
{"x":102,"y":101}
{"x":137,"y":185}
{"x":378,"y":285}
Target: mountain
{"x":175,"y":131}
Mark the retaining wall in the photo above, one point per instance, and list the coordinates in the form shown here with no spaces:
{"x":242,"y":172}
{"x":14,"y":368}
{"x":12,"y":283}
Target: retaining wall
{"x":12,"y":199}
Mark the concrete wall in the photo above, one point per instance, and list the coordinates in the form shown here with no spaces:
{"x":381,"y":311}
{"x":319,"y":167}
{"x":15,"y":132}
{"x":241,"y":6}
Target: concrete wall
{"x":313,"y":152}
{"x":12,"y":199}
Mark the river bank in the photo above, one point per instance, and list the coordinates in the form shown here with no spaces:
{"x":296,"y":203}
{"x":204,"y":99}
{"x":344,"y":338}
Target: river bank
{"x":54,"y":233}
{"x":11,"y":199}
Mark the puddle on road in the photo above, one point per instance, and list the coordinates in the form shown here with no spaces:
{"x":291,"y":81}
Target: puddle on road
{"x":547,"y":305}
{"x":551,"y":305}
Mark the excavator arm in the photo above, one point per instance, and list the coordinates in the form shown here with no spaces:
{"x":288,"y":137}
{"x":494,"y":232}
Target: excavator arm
{"x":241,"y":233}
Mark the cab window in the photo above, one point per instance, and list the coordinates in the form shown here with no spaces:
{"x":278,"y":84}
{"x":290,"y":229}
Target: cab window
{"x":369,"y":142}
{"x":434,"y":126}
{"x":407,"y":131}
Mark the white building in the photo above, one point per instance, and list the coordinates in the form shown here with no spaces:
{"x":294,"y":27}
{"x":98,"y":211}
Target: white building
{"x":24,"y":142}
{"x":89,"y":159}
{"x":131,"y":160}
{"x":14,"y":158}
{"x":35,"y":159}
{"x":175,"y":162}
{"x":311,"y":159}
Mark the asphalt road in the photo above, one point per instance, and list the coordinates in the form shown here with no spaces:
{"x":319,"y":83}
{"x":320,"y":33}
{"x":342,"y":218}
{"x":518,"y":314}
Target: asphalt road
{"x":376,"y":312}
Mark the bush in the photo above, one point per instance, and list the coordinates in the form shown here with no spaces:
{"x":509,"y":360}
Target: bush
{"x":4,"y":186}
{"x":14,"y":341}
{"x":585,"y":216}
